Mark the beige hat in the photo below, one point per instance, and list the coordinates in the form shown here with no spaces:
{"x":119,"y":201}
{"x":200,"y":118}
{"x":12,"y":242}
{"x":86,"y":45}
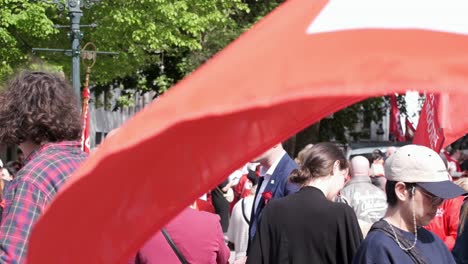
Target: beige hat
{"x":421,"y":165}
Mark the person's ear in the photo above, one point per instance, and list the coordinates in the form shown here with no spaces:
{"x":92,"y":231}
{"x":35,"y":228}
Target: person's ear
{"x":336,"y":167}
{"x":401,"y":192}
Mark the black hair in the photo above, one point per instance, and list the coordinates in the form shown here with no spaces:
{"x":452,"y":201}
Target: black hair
{"x":377,"y":154}
{"x":40,"y":107}
{"x":390,"y":191}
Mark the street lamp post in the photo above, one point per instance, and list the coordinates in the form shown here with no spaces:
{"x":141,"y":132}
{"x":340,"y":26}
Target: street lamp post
{"x":74,"y":7}
{"x":75,"y":13}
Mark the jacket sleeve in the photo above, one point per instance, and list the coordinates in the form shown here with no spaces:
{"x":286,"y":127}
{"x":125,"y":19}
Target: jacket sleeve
{"x":351,"y":236}
{"x":261,"y":246}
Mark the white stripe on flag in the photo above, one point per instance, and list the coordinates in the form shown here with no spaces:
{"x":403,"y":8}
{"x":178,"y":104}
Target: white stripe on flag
{"x":436,"y":15}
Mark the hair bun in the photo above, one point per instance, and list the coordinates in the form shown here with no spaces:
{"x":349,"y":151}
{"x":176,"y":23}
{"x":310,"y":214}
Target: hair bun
{"x":300,"y":176}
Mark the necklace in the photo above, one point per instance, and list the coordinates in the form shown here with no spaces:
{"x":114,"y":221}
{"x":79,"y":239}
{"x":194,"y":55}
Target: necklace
{"x":415,"y":231}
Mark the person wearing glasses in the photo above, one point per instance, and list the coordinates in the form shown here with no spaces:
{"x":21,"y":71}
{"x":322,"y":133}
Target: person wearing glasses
{"x":417,"y":184}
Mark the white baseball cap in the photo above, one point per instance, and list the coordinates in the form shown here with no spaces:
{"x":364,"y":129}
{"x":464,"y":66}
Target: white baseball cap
{"x":423,"y":166}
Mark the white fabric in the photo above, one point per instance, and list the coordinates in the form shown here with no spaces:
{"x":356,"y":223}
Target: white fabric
{"x":238,"y":231}
{"x":6,"y":175}
{"x":414,"y":163}
{"x":377,"y":169}
{"x":436,"y":15}
{"x":267,"y":176}
{"x":235,"y":177}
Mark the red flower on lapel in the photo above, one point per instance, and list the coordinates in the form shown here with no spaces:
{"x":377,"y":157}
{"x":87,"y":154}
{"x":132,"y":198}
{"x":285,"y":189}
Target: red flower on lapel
{"x":267,"y":196}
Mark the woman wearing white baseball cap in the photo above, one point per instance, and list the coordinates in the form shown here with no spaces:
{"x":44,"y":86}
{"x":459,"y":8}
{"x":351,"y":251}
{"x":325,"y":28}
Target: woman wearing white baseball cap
{"x":417,"y":183}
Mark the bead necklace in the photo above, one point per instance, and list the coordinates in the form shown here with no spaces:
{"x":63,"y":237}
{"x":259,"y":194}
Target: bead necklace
{"x":415,"y":230}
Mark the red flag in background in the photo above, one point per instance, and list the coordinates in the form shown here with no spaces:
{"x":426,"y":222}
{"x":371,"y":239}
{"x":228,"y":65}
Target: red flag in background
{"x":396,"y":131}
{"x":429,"y":132}
{"x":410,"y":130}
{"x":85,"y":144}
{"x":443,"y":120}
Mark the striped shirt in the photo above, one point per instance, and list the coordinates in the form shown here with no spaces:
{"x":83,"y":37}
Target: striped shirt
{"x":36,"y":184}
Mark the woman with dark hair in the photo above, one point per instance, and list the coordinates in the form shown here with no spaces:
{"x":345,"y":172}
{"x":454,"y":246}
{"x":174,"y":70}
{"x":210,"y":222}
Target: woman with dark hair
{"x":308,"y":227}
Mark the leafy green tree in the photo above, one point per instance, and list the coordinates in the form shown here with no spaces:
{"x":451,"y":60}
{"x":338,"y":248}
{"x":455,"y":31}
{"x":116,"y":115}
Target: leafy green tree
{"x":139,"y":30}
{"x":21,"y":24}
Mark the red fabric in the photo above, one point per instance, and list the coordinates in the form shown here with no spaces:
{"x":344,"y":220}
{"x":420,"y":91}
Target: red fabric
{"x":429,"y":132}
{"x":445,"y":223}
{"x":410,"y":130}
{"x":395,"y":123}
{"x":450,"y":159}
{"x":242,"y":189}
{"x":269,"y":84}
{"x":442,"y":121}
{"x":202,"y":205}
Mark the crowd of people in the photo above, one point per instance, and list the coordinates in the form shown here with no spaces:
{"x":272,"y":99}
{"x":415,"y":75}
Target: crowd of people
{"x":404,"y":203}
{"x":404,"y":206}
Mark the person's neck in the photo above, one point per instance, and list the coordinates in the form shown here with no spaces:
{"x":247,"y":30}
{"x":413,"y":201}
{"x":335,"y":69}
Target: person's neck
{"x":323,"y":184}
{"x":395,"y":217}
{"x":268,"y":162}
{"x":28,"y":147}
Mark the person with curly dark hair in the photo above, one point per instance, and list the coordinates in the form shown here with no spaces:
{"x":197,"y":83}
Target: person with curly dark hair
{"x":39,"y":113}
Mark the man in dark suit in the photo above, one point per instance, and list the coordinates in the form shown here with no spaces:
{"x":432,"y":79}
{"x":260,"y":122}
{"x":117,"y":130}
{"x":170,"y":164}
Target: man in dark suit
{"x":276,"y":166}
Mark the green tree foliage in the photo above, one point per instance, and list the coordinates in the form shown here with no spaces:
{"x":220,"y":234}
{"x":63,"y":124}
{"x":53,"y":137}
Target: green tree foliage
{"x":22,"y":23}
{"x":139,"y":30}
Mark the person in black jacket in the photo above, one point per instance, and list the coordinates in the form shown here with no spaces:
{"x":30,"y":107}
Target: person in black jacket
{"x":307,"y":227}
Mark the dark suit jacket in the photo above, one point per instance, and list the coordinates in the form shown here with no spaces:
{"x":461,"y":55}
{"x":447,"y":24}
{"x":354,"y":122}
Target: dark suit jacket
{"x":278,"y":186}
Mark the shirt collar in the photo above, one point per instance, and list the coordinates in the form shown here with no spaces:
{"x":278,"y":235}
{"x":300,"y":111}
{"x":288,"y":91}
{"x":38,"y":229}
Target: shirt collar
{"x":360,"y":179}
{"x":53,"y":145}
{"x":272,"y":168}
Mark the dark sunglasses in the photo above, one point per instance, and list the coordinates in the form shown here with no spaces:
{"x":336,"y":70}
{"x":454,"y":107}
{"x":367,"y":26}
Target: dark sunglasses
{"x":435,"y":200}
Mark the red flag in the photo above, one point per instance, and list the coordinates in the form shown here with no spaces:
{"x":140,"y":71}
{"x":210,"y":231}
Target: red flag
{"x":273,"y":81}
{"x":410,"y":130}
{"x":429,"y":132}
{"x":396,"y":131}
{"x":85,"y":143}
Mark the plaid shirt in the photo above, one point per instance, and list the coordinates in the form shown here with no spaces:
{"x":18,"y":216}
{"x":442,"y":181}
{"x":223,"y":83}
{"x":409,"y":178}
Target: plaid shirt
{"x":34,"y":187}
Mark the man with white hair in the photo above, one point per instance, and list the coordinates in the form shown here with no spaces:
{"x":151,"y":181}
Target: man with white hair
{"x":418,"y":183}
{"x":368,"y":201}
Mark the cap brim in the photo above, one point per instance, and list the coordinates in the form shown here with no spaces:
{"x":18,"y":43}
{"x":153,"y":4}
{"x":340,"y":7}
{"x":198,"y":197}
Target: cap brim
{"x":443,"y":189}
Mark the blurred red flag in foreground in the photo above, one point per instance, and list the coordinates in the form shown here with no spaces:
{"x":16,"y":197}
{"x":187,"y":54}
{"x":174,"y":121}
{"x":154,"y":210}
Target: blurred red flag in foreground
{"x":304,"y":61}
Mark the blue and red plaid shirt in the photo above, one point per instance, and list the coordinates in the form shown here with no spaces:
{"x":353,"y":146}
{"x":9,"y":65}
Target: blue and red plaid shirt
{"x":34,"y":187}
